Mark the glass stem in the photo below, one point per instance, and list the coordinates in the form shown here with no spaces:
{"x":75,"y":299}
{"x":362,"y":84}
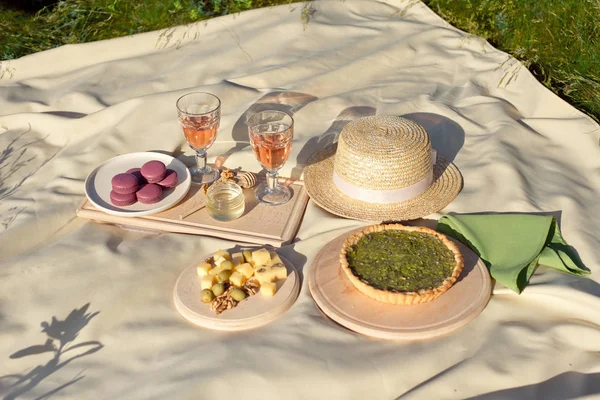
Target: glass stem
{"x":201,"y":160}
{"x":272,"y":180}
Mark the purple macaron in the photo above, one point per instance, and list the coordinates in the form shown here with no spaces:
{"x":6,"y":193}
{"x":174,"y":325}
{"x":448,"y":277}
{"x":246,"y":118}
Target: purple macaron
{"x":170,"y":180}
{"x":124,"y":183}
{"x":149,"y":194}
{"x":137,"y":172}
{"x":154,"y":171}
{"x":119,"y":199}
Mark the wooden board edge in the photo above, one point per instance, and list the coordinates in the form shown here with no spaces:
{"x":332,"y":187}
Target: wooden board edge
{"x":96,"y":215}
{"x":297,"y":214}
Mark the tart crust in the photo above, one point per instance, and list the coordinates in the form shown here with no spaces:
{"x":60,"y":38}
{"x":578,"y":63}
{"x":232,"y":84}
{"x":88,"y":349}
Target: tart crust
{"x":420,"y":296}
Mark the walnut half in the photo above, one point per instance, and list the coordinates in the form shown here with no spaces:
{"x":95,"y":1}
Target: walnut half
{"x":251,"y":287}
{"x":227,"y":174}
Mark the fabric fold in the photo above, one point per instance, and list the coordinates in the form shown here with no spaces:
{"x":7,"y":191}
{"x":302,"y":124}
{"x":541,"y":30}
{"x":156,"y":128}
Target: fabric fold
{"x":513,"y":245}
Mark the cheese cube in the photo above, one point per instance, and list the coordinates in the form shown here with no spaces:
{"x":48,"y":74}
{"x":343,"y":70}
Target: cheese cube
{"x":279,"y":272}
{"x":261,"y":257}
{"x":219,"y":260}
{"x":203,"y":268}
{"x":264,"y":274}
{"x":268,"y":289}
{"x":207,"y":281}
{"x":247,"y":256}
{"x":222,"y":254}
{"x":237,"y":258}
{"x":245,"y":269}
{"x":274,"y":259}
{"x":222,"y":260}
{"x":237,"y":279}
{"x":215,"y":271}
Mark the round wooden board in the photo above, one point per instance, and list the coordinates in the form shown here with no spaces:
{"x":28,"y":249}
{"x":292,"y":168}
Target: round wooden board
{"x":251,"y":313}
{"x":341,"y":301}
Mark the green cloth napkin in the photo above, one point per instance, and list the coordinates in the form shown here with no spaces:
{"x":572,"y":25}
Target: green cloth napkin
{"x":512,"y":245}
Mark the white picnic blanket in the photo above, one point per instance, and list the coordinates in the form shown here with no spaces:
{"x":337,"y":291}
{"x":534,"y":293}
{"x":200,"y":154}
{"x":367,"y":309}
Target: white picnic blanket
{"x":86,"y":309}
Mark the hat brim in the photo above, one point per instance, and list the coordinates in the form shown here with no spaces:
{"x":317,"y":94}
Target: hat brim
{"x":318,"y":180}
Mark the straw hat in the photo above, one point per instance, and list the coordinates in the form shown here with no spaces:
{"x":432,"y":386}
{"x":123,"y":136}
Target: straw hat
{"x":381,"y":169}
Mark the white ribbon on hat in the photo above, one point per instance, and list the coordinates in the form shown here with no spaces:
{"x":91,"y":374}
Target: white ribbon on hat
{"x":386,"y":196}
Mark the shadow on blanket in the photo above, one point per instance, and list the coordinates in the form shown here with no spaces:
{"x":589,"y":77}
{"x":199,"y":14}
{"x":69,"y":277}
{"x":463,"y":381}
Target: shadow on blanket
{"x":568,"y":385}
{"x":59,"y":342}
{"x":447,"y":137}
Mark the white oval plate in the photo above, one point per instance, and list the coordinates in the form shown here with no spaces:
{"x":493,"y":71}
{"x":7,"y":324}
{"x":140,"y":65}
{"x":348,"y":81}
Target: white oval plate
{"x":98,"y":184}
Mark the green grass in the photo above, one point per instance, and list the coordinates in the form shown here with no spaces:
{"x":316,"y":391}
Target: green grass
{"x":78,"y":21}
{"x":559,"y":41}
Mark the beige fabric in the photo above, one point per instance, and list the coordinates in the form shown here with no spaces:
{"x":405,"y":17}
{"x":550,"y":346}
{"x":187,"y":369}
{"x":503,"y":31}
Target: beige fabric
{"x":64,"y":111}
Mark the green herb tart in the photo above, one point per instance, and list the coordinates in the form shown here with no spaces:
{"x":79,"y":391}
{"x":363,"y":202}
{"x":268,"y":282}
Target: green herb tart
{"x":401,"y":264}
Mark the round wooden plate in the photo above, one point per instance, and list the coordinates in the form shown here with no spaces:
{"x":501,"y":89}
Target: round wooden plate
{"x":341,"y":301}
{"x":251,"y":313}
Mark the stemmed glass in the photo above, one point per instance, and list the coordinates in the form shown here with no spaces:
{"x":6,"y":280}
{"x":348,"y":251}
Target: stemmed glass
{"x":199,"y":117}
{"x":271,"y":134}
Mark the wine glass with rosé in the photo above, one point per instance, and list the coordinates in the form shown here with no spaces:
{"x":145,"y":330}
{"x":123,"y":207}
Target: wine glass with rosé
{"x":271,"y":134}
{"x":199,"y":117}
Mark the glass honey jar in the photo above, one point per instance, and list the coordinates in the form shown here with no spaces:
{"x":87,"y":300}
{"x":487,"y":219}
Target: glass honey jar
{"x":225,"y":201}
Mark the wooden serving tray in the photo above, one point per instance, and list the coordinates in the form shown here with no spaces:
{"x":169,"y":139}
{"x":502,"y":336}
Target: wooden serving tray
{"x":337,"y":298}
{"x":260,"y":224}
